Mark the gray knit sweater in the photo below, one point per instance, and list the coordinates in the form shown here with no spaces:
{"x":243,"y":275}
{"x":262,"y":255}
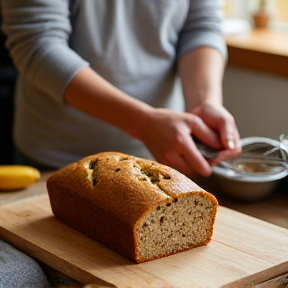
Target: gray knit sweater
{"x":134,"y":44}
{"x":17,"y":270}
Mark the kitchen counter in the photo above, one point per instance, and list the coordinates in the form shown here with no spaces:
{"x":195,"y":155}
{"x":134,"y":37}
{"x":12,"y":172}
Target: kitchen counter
{"x":273,"y":209}
{"x":260,"y":50}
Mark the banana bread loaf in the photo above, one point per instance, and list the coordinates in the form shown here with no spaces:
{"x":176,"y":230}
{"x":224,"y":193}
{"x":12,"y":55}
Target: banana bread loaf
{"x":137,"y":207}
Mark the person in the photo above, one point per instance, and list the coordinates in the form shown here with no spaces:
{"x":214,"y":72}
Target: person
{"x":138,"y":77}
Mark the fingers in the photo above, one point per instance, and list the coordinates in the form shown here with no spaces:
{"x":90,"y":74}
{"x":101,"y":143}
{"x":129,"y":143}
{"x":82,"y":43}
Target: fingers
{"x":186,"y":158}
{"x":205,"y":134}
{"x":229,"y":134}
{"x":227,"y":128}
{"x":224,"y":155}
{"x":222,"y":122}
{"x":169,"y":137}
{"x":178,"y":162}
{"x":195,"y":159}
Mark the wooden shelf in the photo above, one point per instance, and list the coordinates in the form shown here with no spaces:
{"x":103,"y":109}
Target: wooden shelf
{"x":260,"y":50}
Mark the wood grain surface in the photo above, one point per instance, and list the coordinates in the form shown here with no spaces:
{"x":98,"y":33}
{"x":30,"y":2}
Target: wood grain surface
{"x":244,"y":251}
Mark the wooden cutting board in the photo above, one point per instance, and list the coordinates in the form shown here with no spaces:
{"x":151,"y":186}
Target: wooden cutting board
{"x":244,"y":251}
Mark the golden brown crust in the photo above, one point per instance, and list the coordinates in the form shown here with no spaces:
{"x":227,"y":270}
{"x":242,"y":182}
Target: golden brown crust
{"x":104,"y":195}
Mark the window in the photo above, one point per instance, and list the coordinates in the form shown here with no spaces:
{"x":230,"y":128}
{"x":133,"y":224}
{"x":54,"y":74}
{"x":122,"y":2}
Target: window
{"x":244,"y":9}
{"x":282,"y":15}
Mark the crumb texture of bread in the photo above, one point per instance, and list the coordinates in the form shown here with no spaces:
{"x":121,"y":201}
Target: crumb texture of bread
{"x":139,"y":208}
{"x":173,"y":227}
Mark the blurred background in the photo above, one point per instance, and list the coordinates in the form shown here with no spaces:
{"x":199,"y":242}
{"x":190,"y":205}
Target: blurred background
{"x":244,"y":9}
{"x":256,"y":79}
{"x":7,"y":82}
{"x":255,"y":94}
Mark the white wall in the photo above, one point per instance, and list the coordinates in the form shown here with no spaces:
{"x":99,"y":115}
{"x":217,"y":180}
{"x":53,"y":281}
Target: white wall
{"x":259,"y":102}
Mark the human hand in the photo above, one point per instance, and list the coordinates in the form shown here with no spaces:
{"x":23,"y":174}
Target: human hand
{"x":222,"y":122}
{"x":217,"y":118}
{"x":168,"y":136}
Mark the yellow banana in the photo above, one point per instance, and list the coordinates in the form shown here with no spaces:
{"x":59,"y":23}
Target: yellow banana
{"x":14,"y":177}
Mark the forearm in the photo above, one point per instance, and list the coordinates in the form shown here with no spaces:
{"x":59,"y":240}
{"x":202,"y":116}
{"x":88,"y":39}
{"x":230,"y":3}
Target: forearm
{"x":201,"y":73}
{"x":93,"y":95}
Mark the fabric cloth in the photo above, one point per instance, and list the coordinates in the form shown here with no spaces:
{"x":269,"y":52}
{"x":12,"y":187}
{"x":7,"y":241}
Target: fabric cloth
{"x":132,"y":44}
{"x":17,"y":270}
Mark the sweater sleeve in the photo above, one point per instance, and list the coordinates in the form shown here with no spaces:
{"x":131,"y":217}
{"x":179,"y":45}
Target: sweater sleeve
{"x":37,"y":38}
{"x":203,"y":27}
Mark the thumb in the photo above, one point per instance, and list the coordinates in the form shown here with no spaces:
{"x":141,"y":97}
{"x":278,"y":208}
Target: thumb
{"x":205,"y":134}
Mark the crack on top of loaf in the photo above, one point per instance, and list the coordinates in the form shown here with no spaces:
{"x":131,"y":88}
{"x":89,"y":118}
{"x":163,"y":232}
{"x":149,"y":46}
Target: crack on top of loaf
{"x":123,"y":158}
{"x":92,"y":165}
{"x":153,"y":174}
